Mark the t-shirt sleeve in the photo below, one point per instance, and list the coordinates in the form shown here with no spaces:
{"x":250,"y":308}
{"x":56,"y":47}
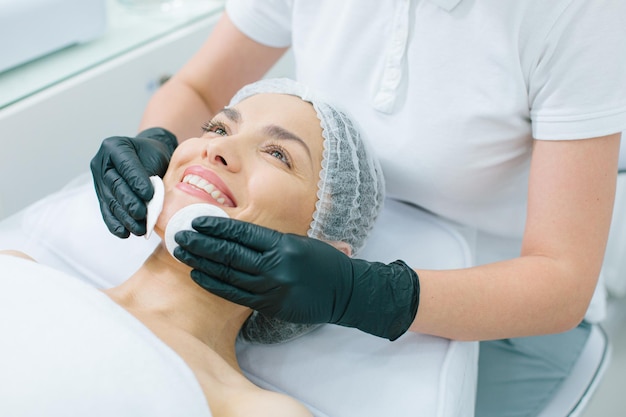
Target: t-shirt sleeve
{"x":577,"y":88}
{"x":267,"y":22}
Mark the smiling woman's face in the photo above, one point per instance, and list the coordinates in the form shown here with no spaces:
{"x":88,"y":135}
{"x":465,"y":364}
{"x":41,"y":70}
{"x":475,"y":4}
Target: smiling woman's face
{"x":259,"y":161}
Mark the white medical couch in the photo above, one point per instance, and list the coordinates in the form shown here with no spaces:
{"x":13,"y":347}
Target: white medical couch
{"x":335,"y":371}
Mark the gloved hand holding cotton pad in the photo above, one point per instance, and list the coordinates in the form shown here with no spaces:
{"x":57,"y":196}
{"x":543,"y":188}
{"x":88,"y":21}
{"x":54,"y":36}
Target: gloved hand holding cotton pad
{"x":181,"y":220}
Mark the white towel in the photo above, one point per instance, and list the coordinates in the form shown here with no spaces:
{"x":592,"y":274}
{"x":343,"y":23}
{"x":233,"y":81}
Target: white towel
{"x":66,"y":349}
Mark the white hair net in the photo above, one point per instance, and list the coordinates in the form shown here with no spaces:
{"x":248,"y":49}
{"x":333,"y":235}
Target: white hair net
{"x":351,"y":187}
{"x":350,"y":190}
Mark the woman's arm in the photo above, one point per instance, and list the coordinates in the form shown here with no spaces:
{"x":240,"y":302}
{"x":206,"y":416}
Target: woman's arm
{"x":226,"y":62}
{"x":549,"y":287}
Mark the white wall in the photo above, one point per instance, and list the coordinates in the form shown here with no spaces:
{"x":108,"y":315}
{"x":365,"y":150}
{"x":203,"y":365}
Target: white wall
{"x":49,"y":138}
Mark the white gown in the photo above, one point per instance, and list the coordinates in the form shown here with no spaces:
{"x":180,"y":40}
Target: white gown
{"x":66,"y":349}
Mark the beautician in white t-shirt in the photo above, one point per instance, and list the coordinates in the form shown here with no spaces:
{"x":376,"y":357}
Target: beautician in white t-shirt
{"x":503,"y":116}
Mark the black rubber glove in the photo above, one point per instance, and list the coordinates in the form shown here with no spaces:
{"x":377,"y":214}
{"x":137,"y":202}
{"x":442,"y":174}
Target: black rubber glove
{"x":121,"y":170}
{"x":299,"y":279}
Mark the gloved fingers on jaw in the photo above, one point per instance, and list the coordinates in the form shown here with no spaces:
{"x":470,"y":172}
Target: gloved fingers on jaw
{"x":255,"y":284}
{"x":134,"y":226}
{"x":122,"y":192}
{"x":97,"y":166}
{"x":227,"y":253}
{"x":105,"y":199}
{"x":255,"y":237}
{"x":130,"y":167}
{"x":113,"y":224}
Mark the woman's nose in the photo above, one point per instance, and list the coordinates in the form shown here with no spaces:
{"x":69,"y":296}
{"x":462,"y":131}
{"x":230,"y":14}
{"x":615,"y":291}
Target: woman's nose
{"x":223,"y":152}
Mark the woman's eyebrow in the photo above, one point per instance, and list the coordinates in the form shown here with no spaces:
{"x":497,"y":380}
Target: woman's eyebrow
{"x":281,"y":133}
{"x":232,"y":114}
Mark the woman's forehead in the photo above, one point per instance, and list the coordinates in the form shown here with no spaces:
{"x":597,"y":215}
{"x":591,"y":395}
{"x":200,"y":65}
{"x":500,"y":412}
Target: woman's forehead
{"x":287,"y":111}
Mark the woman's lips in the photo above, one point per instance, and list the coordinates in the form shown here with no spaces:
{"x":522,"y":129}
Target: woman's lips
{"x":206,"y":185}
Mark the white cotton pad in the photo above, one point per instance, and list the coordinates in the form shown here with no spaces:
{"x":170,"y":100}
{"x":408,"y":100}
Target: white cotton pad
{"x":181,"y":220}
{"x":154,"y":206}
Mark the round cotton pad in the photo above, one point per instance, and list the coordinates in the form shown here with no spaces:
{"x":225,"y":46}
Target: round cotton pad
{"x":154,"y":206}
{"x":181,"y":220}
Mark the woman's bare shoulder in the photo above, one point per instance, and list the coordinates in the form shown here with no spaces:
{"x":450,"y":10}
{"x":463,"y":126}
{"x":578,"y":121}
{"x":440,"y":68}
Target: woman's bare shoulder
{"x":290,"y":407}
{"x":257,"y":402}
{"x":275,"y":404}
{"x":230,"y":393}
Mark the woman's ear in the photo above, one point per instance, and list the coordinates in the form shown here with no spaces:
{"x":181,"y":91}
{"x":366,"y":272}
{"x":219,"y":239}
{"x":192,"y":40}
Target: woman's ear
{"x":342,"y":246}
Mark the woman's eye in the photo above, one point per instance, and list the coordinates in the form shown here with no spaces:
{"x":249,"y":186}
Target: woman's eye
{"x":215,"y":127}
{"x":279,"y":154}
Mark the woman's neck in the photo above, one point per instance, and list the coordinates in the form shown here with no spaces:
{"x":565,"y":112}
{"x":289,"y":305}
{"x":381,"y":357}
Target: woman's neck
{"x":162,"y":291}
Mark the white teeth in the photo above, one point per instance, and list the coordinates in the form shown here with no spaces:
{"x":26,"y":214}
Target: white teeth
{"x":206,"y":186}
{"x":192,"y":180}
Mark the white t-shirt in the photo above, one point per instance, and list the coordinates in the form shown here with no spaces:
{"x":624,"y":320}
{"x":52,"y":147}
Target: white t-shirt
{"x":451,"y":92}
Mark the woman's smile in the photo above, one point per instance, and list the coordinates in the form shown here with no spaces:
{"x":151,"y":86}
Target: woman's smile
{"x":206,"y":185}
